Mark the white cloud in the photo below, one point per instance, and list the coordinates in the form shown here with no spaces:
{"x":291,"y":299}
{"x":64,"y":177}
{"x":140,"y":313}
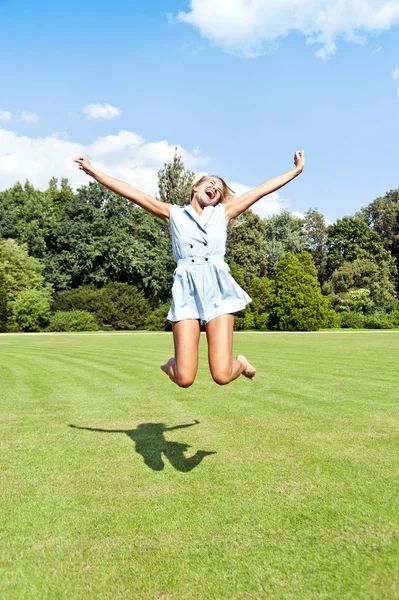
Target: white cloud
{"x":5,"y":116}
{"x":126,"y":156}
{"x":395,"y":76}
{"x":29,"y":117}
{"x":102,"y":111}
{"x":298,"y":214}
{"x":248,"y":27}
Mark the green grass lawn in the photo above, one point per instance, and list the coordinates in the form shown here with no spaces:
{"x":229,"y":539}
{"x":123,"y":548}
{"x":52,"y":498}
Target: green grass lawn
{"x":297,"y":498}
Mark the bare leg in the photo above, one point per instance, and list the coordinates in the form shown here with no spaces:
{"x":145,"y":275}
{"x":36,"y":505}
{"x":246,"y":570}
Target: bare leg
{"x":219,"y":333}
{"x":182,"y":368}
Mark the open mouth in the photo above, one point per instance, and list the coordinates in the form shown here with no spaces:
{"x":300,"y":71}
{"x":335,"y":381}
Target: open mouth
{"x":210,"y":193}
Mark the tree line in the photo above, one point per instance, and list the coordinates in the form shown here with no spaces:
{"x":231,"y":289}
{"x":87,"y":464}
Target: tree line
{"x":88,"y":259}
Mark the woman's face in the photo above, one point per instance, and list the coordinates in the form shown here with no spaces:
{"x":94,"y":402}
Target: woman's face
{"x":209,"y":192}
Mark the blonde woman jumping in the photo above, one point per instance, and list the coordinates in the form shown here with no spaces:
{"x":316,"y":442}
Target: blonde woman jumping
{"x":203,"y":290}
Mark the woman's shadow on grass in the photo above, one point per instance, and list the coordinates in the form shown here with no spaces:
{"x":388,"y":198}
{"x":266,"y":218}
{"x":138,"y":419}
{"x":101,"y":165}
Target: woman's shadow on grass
{"x":150,"y":443}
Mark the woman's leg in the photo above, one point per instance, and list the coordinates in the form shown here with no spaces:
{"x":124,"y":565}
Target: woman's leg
{"x":182,"y":368}
{"x":219,"y":333}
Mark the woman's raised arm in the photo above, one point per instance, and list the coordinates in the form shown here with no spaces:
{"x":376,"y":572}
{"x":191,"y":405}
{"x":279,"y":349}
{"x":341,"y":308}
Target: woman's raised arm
{"x":155,"y":207}
{"x":235,"y":207}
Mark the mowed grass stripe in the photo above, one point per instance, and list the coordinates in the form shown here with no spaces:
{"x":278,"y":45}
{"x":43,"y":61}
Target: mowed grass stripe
{"x":299,"y":500}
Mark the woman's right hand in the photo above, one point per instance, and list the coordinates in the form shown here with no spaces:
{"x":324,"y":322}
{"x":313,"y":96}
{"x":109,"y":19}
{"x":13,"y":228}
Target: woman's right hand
{"x":85,"y":165}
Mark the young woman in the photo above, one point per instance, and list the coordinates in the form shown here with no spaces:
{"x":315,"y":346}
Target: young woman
{"x":203,"y":289}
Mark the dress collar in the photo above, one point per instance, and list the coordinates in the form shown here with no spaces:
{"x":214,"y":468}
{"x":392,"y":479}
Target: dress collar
{"x":203,"y":218}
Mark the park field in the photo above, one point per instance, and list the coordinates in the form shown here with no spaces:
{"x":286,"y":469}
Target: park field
{"x":115,"y":484}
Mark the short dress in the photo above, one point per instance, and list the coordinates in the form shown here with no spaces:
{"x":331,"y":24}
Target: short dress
{"x":202,"y":285}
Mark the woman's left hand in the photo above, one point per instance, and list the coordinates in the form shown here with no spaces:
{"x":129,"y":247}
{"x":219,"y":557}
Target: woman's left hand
{"x":299,"y":160}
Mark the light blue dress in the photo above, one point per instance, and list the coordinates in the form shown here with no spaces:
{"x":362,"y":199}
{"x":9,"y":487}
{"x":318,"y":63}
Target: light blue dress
{"x":202,"y":286}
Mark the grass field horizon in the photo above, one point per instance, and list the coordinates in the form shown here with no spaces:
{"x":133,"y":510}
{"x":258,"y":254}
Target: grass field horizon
{"x":117,"y":484}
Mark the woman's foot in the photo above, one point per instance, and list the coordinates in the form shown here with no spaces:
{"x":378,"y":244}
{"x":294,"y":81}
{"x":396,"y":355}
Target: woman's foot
{"x":171,"y":363}
{"x":249,"y":370}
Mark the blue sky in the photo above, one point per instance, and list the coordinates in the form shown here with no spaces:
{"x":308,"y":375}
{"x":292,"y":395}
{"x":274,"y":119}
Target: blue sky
{"x":193,"y":84}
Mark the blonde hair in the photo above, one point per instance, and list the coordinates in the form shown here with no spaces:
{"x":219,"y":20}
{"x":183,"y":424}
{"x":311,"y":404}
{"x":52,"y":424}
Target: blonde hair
{"x":228,"y":193}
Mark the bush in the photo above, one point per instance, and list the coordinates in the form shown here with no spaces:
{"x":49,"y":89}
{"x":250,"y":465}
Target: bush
{"x":394,"y":318}
{"x":333,"y":319}
{"x":157,"y":320}
{"x":31,"y":310}
{"x":351,"y":320}
{"x":358,"y":301}
{"x":73,"y":320}
{"x":377,"y":320}
{"x":262,"y":321}
{"x":83,"y":298}
{"x":116,"y":305}
{"x":244,"y":322}
{"x":123,"y":306}
{"x":3,"y":303}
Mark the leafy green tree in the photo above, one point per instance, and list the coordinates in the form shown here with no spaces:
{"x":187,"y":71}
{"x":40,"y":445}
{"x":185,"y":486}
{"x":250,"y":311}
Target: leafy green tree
{"x":362,"y":273}
{"x":3,"y":302}
{"x":350,"y":239}
{"x":77,"y":254}
{"x":237,"y":273}
{"x":315,"y":232}
{"x":260,"y":290}
{"x":175,"y":182}
{"x":382,"y":216}
{"x":245,"y":245}
{"x":31,"y":217}
{"x":31,"y":310}
{"x":9,"y":227}
{"x":102,"y":237}
{"x":358,"y":301}
{"x":282,"y":233}
{"x":297,"y":303}
{"x":18,"y":272}
{"x":59,"y":196}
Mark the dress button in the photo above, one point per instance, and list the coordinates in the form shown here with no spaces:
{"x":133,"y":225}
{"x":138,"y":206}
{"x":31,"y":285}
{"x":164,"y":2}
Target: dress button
{"x":191,"y":245}
{"x":192,"y":260}
{"x":206,"y":259}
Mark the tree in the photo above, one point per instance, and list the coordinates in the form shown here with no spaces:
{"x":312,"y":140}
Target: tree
{"x":237,"y":273}
{"x":360,"y":274}
{"x":260,"y":290}
{"x":59,"y":196}
{"x":315,"y":231}
{"x":351,"y":238}
{"x":245,"y":245}
{"x":102,"y":237}
{"x":382,"y":216}
{"x":297,"y":303}
{"x":283,"y":233}
{"x":18,"y":272}
{"x":3,"y":302}
{"x":358,"y":301}
{"x":31,"y":310}
{"x":175,"y":182}
{"x":9,"y":227}
{"x":30,"y":217}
